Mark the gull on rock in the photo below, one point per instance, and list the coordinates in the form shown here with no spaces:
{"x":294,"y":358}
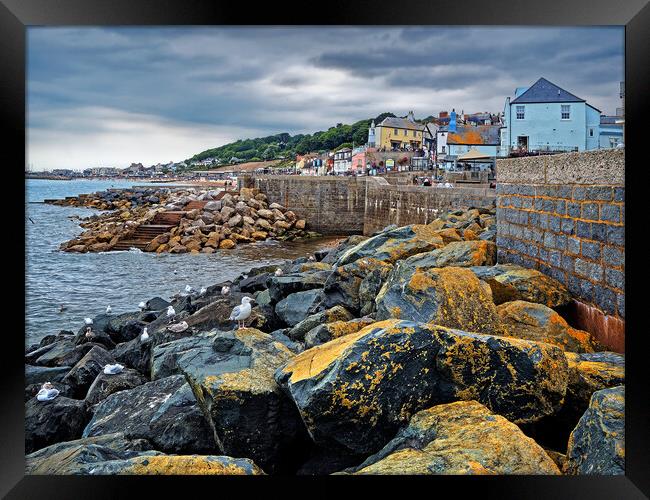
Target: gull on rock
{"x":89,"y":332}
{"x":113,"y":369}
{"x":171,"y":312}
{"x":242,"y":312}
{"x":109,"y":309}
{"x":47,"y":392}
{"x":188,"y":289}
{"x":311,"y":258}
{"x":278,"y":272}
{"x":145,"y":336}
{"x":142,"y":306}
{"x":178,"y":327}
{"x":203,"y":290}
{"x":88,"y":321}
{"x":225,"y":290}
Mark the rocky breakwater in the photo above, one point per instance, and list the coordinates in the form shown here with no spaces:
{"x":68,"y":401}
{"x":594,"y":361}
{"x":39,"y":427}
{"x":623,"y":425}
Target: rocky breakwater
{"x":409,"y":352}
{"x":182,"y":220}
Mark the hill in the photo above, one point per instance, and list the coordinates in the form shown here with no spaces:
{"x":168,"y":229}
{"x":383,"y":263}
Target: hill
{"x":286,"y":146}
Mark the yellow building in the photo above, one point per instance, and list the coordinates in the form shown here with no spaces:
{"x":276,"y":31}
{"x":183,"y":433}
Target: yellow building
{"x":396,"y":134}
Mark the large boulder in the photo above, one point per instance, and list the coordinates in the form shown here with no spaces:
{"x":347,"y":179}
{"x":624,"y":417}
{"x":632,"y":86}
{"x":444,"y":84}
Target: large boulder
{"x":41,"y":374}
{"x":69,"y":457}
{"x":297,"y":306}
{"x":597,"y":444}
{"x":104,"y":385}
{"x":448,"y":296}
{"x":370,"y":287}
{"x":282,"y":286}
{"x":510,"y":282}
{"x":47,"y":422}
{"x":395,"y":244}
{"x":182,"y":465}
{"x":332,"y":255}
{"x":82,"y":375}
{"x":330,"y":331}
{"x":336,"y":313}
{"x":356,"y":391}
{"x":343,"y":284}
{"x":530,"y":321}
{"x":232,"y":378}
{"x":164,"y":412}
{"x":457,"y":254}
{"x":64,"y":352}
{"x":164,"y":357}
{"x":463,"y":437}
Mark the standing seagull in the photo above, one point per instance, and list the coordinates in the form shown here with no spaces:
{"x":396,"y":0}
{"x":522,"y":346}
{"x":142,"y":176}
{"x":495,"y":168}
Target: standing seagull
{"x":225,"y":290}
{"x":88,"y":321}
{"x":171,"y":312}
{"x":242,"y":312}
{"x":203,"y":290}
{"x":145,"y":336}
{"x":109,"y":309}
{"x":278,"y":272}
{"x":142,"y":306}
{"x":188,"y":289}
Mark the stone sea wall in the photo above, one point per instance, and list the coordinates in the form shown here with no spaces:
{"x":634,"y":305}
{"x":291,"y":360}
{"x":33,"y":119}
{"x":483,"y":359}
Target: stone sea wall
{"x":396,"y":204}
{"x":565,"y":216}
{"x":353,"y":205}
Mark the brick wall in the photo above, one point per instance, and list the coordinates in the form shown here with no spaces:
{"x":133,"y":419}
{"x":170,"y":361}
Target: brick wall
{"x":565,"y":215}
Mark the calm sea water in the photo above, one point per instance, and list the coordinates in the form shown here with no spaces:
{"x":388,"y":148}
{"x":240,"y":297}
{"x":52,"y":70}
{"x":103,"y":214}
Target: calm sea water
{"x":87,"y":283}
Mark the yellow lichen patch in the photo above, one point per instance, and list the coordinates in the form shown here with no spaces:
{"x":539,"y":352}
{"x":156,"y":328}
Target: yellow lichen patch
{"x":313,"y":361}
{"x":421,"y":282}
{"x":187,"y":465}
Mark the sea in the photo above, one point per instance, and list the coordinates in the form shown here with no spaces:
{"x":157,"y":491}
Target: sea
{"x":85,"y":284}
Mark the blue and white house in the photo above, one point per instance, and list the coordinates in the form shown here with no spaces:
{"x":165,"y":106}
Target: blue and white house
{"x":545,"y":117}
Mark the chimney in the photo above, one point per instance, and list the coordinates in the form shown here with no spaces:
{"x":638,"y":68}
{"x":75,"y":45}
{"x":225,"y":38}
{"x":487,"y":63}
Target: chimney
{"x":411,"y":117}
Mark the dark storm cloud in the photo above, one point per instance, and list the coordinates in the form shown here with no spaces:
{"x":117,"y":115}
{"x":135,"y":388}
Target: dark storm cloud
{"x":232,"y":82}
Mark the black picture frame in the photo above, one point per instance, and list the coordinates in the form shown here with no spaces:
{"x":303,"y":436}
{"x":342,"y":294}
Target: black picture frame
{"x":16,"y":15}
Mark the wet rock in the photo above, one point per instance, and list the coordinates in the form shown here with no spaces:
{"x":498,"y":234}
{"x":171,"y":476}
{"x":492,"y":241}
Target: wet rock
{"x":356,"y":391}
{"x":105,"y":385}
{"x":164,"y":357}
{"x":331,"y":256}
{"x":509,"y":283}
{"x":164,"y":412}
{"x":457,"y":254}
{"x":64,"y":353}
{"x":370,"y":287}
{"x":530,"y":321}
{"x":156,"y":304}
{"x":233,"y":381}
{"x":134,"y":354}
{"x":336,"y":313}
{"x":463,"y":437}
{"x":394,"y":245}
{"x":48,"y":422}
{"x":597,"y":444}
{"x":448,"y":296}
{"x":84,"y":372}
{"x":297,"y":306}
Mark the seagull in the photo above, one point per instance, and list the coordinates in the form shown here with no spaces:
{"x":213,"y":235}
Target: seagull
{"x":175,"y":271}
{"x":311,"y":258}
{"x":88,"y":321}
{"x":109,"y":309}
{"x":203,"y":290}
{"x":241,"y":312}
{"x":47,"y":393}
{"x":225,"y":290}
{"x":142,"y":306}
{"x":171,"y":312}
{"x":178,"y":327}
{"x":113,"y":369}
{"x":89,"y":332}
{"x":62,"y":308}
{"x":188,"y":289}
{"x":278,"y":272}
{"x":145,"y":336}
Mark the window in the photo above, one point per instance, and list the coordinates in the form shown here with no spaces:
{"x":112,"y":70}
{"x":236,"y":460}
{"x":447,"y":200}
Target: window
{"x":415,"y":134}
{"x":405,"y":131}
{"x":396,"y":131}
{"x":566,"y":111}
{"x":443,"y":149}
{"x":591,"y":132}
{"x":520,"y":112}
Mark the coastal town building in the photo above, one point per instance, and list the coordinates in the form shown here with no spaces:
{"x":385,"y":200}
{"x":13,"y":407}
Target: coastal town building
{"x":342,"y":160}
{"x":452,"y":142}
{"x":611,"y":131}
{"x":547,"y":118}
{"x":395,"y":133}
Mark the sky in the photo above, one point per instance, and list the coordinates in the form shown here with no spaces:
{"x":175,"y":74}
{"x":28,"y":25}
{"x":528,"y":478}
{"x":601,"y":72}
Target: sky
{"x":116,"y":95}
